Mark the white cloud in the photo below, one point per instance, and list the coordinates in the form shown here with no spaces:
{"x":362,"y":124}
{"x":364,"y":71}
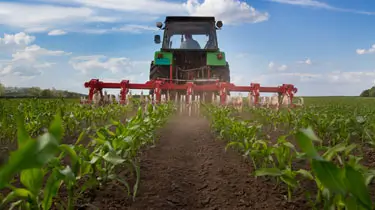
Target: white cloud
{"x":132,"y":28}
{"x":25,"y":60}
{"x":282,"y":67}
{"x":32,"y":52}
{"x":307,"y":61}
{"x":17,"y":39}
{"x":368,"y":51}
{"x":229,"y":11}
{"x":41,"y":17}
{"x":57,"y":32}
{"x":160,"y":7}
{"x":273,"y":66}
{"x":353,"y":77}
{"x":97,"y":64}
{"x":322,"y":5}
{"x":37,"y":18}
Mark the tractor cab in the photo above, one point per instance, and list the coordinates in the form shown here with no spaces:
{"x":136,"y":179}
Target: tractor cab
{"x":189,"y":33}
{"x":189,"y":51}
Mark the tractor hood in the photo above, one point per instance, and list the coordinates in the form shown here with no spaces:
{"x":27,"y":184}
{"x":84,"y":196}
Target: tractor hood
{"x":181,"y":57}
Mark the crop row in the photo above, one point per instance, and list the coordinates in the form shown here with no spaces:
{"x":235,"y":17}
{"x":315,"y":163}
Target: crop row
{"x":39,"y":168}
{"x":39,"y":113}
{"x":327,"y":140}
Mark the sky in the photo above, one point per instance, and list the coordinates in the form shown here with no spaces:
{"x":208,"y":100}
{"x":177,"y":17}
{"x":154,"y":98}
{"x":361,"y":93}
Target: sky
{"x":323,"y":47}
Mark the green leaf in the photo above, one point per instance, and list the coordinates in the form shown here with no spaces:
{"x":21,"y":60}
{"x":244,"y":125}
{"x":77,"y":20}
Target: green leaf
{"x":80,"y":138}
{"x":32,"y":179}
{"x":50,"y":190}
{"x":306,"y":174}
{"x":22,"y":135}
{"x":351,"y":203}
{"x":268,"y":172}
{"x":113,"y":158}
{"x":305,"y":138}
{"x":289,"y":180}
{"x":56,"y":128}
{"x":94,"y":159}
{"x":69,"y":150}
{"x":122,"y":181}
{"x":69,"y":176}
{"x":333,"y":151}
{"x":138,"y":175}
{"x":34,"y":154}
{"x":17,"y":193}
{"x":331,"y":176}
{"x":357,"y":186}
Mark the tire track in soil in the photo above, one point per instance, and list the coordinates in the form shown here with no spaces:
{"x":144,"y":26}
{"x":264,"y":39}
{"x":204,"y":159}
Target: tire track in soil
{"x":189,"y":169}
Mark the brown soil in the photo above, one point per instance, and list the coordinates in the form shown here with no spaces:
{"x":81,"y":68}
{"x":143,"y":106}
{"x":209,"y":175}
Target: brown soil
{"x":189,"y":169}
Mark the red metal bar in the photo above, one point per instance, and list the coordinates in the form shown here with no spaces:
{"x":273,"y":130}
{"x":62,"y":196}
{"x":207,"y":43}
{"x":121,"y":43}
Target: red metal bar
{"x":222,"y":87}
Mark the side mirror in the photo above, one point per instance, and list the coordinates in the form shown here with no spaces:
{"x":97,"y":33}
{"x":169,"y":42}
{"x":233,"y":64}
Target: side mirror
{"x":219,"y":24}
{"x":159,"y":24}
{"x":157,"y":39}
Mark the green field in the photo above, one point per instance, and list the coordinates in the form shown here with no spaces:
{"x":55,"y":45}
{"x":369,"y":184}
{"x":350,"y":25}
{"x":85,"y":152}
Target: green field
{"x":318,"y":149}
{"x":325,"y":149}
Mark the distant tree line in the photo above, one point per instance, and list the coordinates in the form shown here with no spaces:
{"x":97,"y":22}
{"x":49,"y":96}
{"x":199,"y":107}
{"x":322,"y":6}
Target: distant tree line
{"x":32,"y":92}
{"x":368,"y":92}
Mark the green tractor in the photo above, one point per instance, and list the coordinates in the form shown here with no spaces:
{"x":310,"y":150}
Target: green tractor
{"x":189,"y":51}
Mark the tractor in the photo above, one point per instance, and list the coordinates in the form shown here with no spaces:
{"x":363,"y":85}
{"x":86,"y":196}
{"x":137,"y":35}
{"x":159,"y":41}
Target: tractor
{"x":189,"y":52}
{"x":189,"y":64}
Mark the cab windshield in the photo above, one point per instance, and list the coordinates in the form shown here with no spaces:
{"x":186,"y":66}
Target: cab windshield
{"x":190,"y":35}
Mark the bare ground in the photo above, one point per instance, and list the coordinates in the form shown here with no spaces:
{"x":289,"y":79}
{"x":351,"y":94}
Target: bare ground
{"x":189,"y":169}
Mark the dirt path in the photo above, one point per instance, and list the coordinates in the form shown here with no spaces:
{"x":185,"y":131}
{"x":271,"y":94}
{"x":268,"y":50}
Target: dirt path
{"x":189,"y":169}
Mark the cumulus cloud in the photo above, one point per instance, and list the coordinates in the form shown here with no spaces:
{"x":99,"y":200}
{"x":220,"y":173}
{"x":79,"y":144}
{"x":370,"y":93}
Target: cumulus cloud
{"x":24,"y":59}
{"x":39,"y":17}
{"x":229,"y":11}
{"x":366,"y":51}
{"x":353,"y":77}
{"x":76,"y":15}
{"x":57,"y":32}
{"x":17,"y":39}
{"x":96,"y":65}
{"x":273,"y":66}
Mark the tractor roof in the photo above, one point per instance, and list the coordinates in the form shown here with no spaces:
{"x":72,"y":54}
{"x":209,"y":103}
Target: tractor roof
{"x":189,"y":18}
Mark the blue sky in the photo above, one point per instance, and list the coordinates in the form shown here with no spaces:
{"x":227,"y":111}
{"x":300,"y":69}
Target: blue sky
{"x":324,"y":47}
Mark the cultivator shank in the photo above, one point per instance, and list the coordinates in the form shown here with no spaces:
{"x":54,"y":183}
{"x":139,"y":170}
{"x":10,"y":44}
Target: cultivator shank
{"x":190,"y":91}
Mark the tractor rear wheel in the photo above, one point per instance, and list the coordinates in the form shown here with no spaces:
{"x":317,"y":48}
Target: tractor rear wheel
{"x":158,"y":72}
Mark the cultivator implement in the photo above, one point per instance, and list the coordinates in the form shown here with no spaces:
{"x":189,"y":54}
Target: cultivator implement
{"x":215,"y":92}
{"x":192,"y":73}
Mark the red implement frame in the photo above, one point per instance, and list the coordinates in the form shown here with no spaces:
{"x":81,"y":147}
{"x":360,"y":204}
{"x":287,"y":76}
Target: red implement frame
{"x":157,"y":85}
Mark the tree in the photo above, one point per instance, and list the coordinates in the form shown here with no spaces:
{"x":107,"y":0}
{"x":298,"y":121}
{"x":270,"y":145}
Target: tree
{"x":34,"y":91}
{"x":368,"y":92}
{"x":46,"y":93}
{"x":2,"y":89}
{"x":365,"y":93}
{"x":372,"y":92}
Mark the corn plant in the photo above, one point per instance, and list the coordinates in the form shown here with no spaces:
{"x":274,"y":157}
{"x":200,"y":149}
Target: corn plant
{"x":343,"y":187}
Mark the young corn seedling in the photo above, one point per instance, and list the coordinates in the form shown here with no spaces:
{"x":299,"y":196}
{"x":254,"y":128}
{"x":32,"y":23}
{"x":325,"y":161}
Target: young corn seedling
{"x":287,"y":175}
{"x":343,"y":187}
{"x":28,"y":160}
